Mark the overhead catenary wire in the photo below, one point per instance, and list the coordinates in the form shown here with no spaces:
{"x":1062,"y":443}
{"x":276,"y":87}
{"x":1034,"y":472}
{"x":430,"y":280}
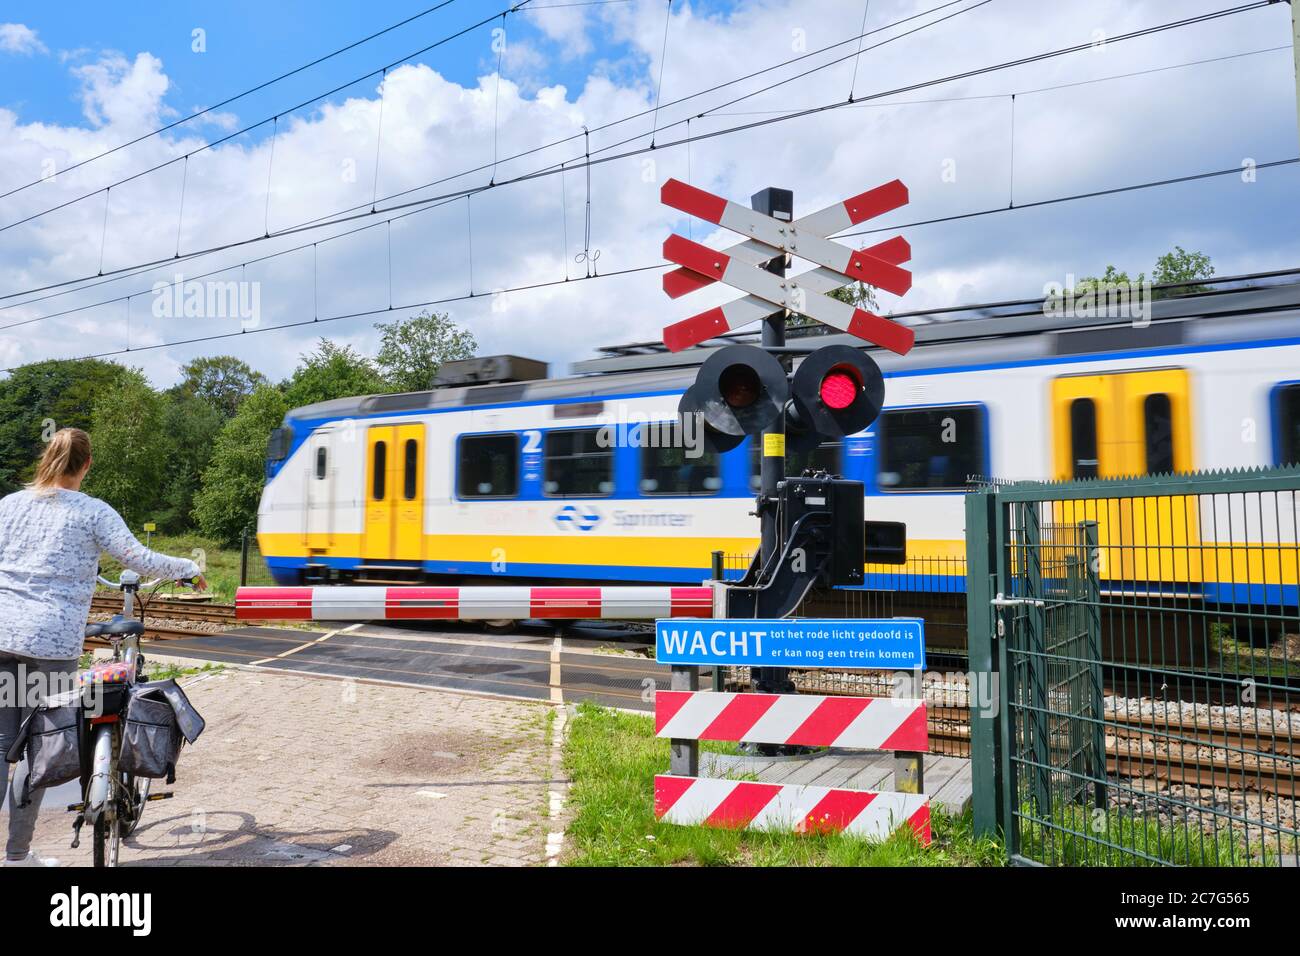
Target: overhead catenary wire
{"x":329,"y":220}
{"x":663,"y":62}
{"x":253,"y":126}
{"x":667,"y":265}
{"x":589,"y":160}
{"x":519,"y":7}
{"x":228,"y":100}
{"x":437,"y":201}
{"x":428,"y":303}
{"x":853,"y":83}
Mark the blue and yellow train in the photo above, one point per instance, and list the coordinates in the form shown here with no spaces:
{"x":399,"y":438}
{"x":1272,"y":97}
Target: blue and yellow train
{"x":520,"y":480}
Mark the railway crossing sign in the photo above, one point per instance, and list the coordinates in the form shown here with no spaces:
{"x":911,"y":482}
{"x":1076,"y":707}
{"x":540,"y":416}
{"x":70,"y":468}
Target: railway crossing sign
{"x":740,"y":266}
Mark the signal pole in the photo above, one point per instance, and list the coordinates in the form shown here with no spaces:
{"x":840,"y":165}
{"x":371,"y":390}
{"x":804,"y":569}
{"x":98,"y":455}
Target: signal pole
{"x":779,"y":204}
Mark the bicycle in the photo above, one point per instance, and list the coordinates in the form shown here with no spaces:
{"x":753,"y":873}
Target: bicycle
{"x":113,"y":802}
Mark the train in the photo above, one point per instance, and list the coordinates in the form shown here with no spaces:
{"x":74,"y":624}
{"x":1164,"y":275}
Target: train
{"x":502,"y":473}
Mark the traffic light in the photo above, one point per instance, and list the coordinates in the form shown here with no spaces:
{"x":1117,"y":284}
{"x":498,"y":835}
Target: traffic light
{"x":740,"y":390}
{"x":836,"y":391}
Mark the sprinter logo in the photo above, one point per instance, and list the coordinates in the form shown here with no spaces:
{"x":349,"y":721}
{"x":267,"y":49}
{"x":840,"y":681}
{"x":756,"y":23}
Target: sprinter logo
{"x":77,"y":909}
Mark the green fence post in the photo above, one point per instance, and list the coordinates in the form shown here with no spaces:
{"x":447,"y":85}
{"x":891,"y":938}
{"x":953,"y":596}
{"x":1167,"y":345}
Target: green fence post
{"x":1092,"y":592}
{"x":981,"y":561}
{"x":1036,"y":658}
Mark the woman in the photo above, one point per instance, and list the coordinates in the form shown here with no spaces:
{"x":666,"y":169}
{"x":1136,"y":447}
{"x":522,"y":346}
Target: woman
{"x":51,"y":536}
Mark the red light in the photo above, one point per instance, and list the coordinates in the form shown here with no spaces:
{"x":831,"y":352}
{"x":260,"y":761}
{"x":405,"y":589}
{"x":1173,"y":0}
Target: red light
{"x":839,"y":389}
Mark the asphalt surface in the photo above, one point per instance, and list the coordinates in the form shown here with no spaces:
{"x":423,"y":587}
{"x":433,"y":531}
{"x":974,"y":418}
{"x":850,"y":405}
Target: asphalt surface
{"x":604,"y":664}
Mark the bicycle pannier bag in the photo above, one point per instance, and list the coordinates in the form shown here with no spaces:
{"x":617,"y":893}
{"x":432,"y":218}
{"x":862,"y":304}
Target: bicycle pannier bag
{"x":151,"y":739}
{"x":50,"y":739}
{"x":159,"y":719}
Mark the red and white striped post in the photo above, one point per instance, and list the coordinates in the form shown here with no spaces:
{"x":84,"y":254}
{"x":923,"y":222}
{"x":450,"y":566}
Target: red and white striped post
{"x":868,"y":723}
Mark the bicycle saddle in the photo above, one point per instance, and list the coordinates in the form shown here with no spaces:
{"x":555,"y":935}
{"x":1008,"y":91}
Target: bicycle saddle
{"x":117,"y":626}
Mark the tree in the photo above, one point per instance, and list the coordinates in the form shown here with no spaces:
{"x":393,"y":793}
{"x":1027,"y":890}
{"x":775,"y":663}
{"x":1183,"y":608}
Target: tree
{"x":411,"y":350}
{"x":223,"y":381}
{"x":332,"y":371}
{"x":226,"y":504}
{"x":190,"y":427}
{"x":38,"y":399}
{"x":1181,"y":266}
{"x":1112,"y":278}
{"x":129,"y":449}
{"x":1176,"y":266}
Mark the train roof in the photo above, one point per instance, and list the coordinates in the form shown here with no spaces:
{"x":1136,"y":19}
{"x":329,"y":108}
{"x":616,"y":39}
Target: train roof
{"x":1235,"y":309}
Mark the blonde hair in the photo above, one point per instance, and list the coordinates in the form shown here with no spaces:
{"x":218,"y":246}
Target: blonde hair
{"x":66,"y":454}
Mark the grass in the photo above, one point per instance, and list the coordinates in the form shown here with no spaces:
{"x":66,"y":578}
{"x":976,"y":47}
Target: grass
{"x":221,"y":563}
{"x":612,"y":758}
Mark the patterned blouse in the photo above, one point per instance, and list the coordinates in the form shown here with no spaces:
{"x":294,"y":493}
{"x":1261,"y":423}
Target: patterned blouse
{"x":49,"y":551}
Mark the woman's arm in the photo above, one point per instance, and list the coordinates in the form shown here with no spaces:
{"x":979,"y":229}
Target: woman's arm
{"x":113,"y":536}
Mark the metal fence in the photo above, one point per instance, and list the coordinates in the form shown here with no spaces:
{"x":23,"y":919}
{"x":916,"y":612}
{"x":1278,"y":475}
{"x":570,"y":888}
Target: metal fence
{"x":1145,"y":635}
{"x":252,"y":566}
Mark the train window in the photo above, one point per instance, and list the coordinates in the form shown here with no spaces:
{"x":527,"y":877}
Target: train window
{"x":320,"y":463}
{"x":670,"y":470}
{"x":827,"y":457}
{"x":1083,"y":438}
{"x":488,"y":466}
{"x":575,"y":465}
{"x":411,"y":468}
{"x":930,"y":449}
{"x":378,"y":470}
{"x":1158,"y":420}
{"x":1288,"y":424}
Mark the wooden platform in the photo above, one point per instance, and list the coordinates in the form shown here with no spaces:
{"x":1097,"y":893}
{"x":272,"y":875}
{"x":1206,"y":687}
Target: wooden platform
{"x":947,"y":779}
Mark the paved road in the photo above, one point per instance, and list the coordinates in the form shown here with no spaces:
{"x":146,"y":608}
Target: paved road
{"x":587,"y":662}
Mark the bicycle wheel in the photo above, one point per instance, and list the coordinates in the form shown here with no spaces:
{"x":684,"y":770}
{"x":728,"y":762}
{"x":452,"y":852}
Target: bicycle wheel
{"x":108,"y":836}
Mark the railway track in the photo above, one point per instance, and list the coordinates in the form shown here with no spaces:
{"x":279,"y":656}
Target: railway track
{"x":1171,"y":751}
{"x":170,"y":609}
{"x":167,"y":610}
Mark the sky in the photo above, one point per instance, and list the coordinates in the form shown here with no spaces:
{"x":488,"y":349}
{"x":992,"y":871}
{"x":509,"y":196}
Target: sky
{"x":353,"y":202}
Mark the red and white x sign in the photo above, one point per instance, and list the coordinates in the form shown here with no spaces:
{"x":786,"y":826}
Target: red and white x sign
{"x":837,"y":265}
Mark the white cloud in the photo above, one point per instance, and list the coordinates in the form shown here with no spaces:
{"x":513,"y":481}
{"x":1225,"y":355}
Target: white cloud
{"x":1067,"y":141}
{"x":18,"y":38}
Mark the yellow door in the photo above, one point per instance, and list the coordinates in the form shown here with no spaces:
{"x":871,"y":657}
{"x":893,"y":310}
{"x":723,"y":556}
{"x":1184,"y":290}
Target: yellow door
{"x":1127,"y":424}
{"x":408,"y":487}
{"x":380,"y":493}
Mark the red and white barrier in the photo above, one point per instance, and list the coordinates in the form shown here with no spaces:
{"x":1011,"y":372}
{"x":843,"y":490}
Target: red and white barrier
{"x":370,"y":603}
{"x":866,"y":723}
{"x":736,"y":804}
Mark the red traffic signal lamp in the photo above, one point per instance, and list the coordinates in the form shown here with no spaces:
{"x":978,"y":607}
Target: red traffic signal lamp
{"x":836,"y":391}
{"x":740,"y":390}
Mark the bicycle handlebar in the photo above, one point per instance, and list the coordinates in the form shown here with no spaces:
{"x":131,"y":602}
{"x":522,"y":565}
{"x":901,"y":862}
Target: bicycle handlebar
{"x":117,"y":585}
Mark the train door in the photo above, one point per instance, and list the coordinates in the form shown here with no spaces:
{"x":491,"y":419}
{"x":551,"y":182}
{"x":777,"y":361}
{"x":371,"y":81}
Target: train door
{"x":408,"y":508}
{"x":1125,"y":424}
{"x":381,"y":493}
{"x":319,"y":478}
